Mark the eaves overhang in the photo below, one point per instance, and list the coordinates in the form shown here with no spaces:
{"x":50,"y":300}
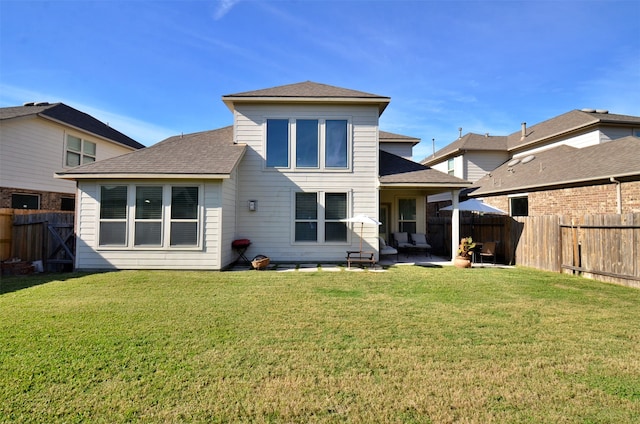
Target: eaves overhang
{"x":553,"y":184}
{"x":380,"y":102}
{"x":134,"y":176}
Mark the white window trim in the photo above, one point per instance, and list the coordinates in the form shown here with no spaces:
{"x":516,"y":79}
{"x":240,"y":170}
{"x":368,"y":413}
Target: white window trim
{"x":322,"y":119}
{"x":320,"y":199}
{"x":82,"y":150}
{"x":166,"y":219}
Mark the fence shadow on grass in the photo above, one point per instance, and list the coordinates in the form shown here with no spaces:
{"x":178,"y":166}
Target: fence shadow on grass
{"x":14,"y":283}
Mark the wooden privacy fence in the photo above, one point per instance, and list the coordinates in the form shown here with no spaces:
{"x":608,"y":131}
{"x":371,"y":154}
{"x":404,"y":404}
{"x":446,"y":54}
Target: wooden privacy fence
{"x":34,"y":235}
{"x":602,"y":247}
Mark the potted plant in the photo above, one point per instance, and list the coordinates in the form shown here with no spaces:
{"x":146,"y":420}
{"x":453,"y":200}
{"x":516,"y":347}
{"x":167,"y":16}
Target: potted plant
{"x":463,"y":260}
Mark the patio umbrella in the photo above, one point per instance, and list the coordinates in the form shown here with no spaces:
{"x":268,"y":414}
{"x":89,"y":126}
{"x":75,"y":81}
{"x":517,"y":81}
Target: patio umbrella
{"x":476,"y":205}
{"x":362,"y":219}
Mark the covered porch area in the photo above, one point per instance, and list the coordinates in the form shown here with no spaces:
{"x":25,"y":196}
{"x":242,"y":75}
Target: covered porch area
{"x":403,"y":189}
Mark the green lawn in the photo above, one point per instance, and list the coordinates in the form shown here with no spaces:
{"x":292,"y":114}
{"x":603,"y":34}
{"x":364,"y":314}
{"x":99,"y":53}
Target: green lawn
{"x":408,"y":345}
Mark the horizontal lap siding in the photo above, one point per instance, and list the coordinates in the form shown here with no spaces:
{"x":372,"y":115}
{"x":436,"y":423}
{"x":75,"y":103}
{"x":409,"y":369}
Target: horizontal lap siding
{"x":270,"y":227}
{"x":33,"y":150}
{"x":90,"y":256}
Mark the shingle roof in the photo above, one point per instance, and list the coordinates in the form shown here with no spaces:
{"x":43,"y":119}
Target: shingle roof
{"x":395,"y":170}
{"x":387,"y":137}
{"x":208,"y":153}
{"x":571,"y":121}
{"x":470,"y":141}
{"x":565,"y":165}
{"x":70,"y":116}
{"x":307,"y":91}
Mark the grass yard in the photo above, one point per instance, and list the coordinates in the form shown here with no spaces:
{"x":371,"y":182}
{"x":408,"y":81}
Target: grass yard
{"x":411,"y":345}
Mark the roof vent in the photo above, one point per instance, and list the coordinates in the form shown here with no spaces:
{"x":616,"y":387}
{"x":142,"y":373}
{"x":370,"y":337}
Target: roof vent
{"x":29,"y":104}
{"x":588,"y":110}
{"x":528,"y":159}
{"x":514,"y":162}
{"x":42,"y":104}
{"x":602,"y":111}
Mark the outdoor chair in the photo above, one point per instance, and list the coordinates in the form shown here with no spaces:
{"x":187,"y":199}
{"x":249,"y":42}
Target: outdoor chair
{"x":385,"y":249}
{"x":401,"y":241}
{"x":419,"y":241}
{"x":488,"y":250}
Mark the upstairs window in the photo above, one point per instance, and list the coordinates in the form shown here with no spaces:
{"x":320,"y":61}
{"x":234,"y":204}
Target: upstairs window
{"x":79,"y":151}
{"x":450,"y":166}
{"x":278,"y":143}
{"x":311,"y":143}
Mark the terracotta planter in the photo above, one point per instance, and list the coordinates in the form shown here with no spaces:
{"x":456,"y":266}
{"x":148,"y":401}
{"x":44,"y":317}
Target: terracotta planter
{"x":460,"y":262}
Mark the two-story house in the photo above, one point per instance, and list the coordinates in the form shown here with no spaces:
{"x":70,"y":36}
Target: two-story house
{"x":578,"y":162}
{"x":38,"y":139}
{"x":298,"y":161}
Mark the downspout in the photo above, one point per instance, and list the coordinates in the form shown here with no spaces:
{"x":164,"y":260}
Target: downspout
{"x":618,"y":194}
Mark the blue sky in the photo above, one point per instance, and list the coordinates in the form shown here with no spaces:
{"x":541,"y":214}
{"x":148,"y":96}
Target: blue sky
{"x":153,"y":69}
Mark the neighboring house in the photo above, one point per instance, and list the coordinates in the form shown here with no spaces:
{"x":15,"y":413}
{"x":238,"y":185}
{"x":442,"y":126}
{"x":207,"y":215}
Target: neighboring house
{"x":297,"y":162}
{"x":399,"y":145}
{"x":563,"y":180}
{"x":36,"y":140}
{"x":577,"y":129}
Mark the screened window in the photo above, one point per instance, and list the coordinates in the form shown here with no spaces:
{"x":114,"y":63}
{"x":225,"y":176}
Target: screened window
{"x":335,"y":211}
{"x":278,"y":143}
{"x":148,"y":221}
{"x":113,"y":215}
{"x":79,"y":151}
{"x":184,"y":216}
{"x":306,"y":217}
{"x":307,"y":143}
{"x":407,"y":219}
{"x":336,"y":144}
{"x":25,"y":201}
{"x":519,"y":206}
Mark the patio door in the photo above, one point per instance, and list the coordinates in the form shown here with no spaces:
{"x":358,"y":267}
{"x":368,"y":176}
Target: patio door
{"x":383,"y":217}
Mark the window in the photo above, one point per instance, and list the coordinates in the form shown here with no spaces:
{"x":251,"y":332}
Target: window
{"x":336,"y":145}
{"x":407,"y":220}
{"x":79,"y":151}
{"x":519,"y":206}
{"x":164,"y":216}
{"x":319,"y":217}
{"x":307,"y":143}
{"x":67,"y":204}
{"x":25,"y":201}
{"x":450,"y":166}
{"x":113,"y":215}
{"x":148,"y":221}
{"x":184,"y":216}
{"x":335,"y":211}
{"x":315,"y":143}
{"x":278,"y":143}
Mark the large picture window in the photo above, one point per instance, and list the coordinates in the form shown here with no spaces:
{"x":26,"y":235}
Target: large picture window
{"x":313,"y":143}
{"x":319,"y":217}
{"x":79,"y":151}
{"x":163,"y":216}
